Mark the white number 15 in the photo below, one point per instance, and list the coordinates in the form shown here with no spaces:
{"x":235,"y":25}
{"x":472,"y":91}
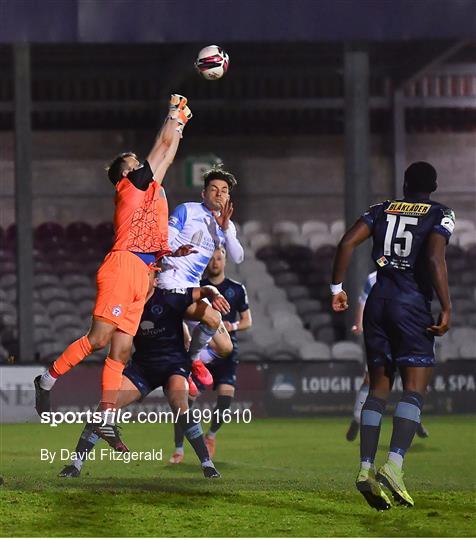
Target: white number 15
{"x":402,"y":234}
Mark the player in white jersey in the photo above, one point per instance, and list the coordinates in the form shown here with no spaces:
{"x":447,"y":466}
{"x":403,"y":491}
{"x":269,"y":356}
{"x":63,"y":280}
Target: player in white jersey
{"x":363,"y":392}
{"x":206,"y":226}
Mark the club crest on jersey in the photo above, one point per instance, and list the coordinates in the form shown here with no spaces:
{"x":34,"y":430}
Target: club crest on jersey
{"x":157,"y":310}
{"x":382,"y":262}
{"x":229,"y":293}
{"x":409,"y":209}
{"x":116,"y":311}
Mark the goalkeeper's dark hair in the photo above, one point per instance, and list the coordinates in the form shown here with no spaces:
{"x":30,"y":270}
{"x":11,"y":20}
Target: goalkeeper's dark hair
{"x":115,"y":169}
{"x":217,"y":172}
{"x":420,"y":177}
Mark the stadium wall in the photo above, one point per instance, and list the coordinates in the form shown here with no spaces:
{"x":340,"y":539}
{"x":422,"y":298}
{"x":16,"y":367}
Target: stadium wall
{"x":272,"y":389}
{"x":280,"y":178}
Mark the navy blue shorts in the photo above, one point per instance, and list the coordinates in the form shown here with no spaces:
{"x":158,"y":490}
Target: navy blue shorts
{"x":147,"y":376}
{"x":395,"y":333}
{"x":223,"y":371}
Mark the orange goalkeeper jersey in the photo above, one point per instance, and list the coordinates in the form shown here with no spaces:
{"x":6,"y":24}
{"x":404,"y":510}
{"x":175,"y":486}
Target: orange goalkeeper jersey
{"x":141,"y":214}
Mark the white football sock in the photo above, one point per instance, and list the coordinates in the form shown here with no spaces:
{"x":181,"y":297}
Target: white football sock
{"x":47,"y":381}
{"x":395,"y":458}
{"x":366,"y":465}
{"x":207,"y":355}
{"x":201,"y":336}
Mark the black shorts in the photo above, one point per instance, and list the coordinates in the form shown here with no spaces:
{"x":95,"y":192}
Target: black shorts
{"x":395,"y":332}
{"x":223,"y":371}
{"x":147,"y":376}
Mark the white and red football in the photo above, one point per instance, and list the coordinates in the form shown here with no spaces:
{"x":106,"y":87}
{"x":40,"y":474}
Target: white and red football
{"x":212,"y":62}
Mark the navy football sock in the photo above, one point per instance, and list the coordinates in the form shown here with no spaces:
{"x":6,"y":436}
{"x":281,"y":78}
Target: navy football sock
{"x":86,"y":443}
{"x":194,"y":433}
{"x":223,"y":403}
{"x":370,"y":421}
{"x":178,"y":431}
{"x":405,"y":423}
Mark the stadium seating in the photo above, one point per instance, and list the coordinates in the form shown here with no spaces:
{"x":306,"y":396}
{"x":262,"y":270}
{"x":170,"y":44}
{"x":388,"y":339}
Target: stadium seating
{"x":315,"y":351}
{"x":286,"y":272}
{"x":347,"y":350}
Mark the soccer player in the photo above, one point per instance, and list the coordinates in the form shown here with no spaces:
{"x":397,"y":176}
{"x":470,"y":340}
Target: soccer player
{"x":363,"y":392}
{"x":409,"y":241}
{"x":125,"y":277}
{"x":160,"y":359}
{"x":206,"y":226}
{"x":223,"y":370}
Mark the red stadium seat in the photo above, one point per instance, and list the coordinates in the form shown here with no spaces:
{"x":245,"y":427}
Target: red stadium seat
{"x":11,"y":238}
{"x":104,"y":235}
{"x":48,"y":235}
{"x":79,"y":232}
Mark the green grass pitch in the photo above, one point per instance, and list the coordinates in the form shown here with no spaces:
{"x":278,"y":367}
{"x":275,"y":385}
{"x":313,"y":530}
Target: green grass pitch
{"x":290,"y":477}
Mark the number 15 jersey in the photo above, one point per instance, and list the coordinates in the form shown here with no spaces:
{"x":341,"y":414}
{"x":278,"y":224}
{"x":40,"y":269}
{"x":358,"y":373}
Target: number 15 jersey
{"x":400,"y":231}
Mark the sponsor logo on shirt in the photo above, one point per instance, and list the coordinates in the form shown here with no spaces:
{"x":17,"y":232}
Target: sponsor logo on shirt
{"x":410,"y":209}
{"x":382,"y":262}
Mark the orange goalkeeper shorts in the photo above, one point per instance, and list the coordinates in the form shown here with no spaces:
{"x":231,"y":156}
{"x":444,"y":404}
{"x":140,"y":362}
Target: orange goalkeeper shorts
{"x":122,"y":286}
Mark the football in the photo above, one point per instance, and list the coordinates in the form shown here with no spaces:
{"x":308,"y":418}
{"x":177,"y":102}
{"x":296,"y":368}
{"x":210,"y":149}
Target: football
{"x":212,"y":62}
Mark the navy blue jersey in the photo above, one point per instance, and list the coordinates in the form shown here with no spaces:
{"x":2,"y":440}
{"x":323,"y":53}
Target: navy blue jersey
{"x":236,"y":295}
{"x":400,"y":231}
{"x":159,"y":337}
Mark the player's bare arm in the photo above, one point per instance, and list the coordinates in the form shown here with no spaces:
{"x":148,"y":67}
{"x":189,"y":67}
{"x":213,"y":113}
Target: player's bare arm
{"x":167,"y":142}
{"x":244,"y":323}
{"x":184,"y":251}
{"x":357,"y":234}
{"x":212,"y":294}
{"x":439,"y":276}
{"x":163,"y":153}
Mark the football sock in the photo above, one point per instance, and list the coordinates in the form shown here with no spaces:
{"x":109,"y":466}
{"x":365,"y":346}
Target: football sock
{"x":178,"y":431}
{"x":405,"y":422}
{"x":359,"y":401}
{"x":201,"y":336}
{"x":207,"y":355}
{"x":72,"y":355}
{"x":111,"y":383}
{"x":223,"y":403}
{"x":178,"y":436}
{"x":193,"y":431}
{"x":370,"y":422}
{"x":86,"y":443}
{"x":48,"y":380}
{"x":397,"y":459}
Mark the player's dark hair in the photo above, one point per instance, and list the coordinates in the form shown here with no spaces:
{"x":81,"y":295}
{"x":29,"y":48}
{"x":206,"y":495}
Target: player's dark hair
{"x":115,"y":169}
{"x":420,"y":177}
{"x":217,"y":172}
